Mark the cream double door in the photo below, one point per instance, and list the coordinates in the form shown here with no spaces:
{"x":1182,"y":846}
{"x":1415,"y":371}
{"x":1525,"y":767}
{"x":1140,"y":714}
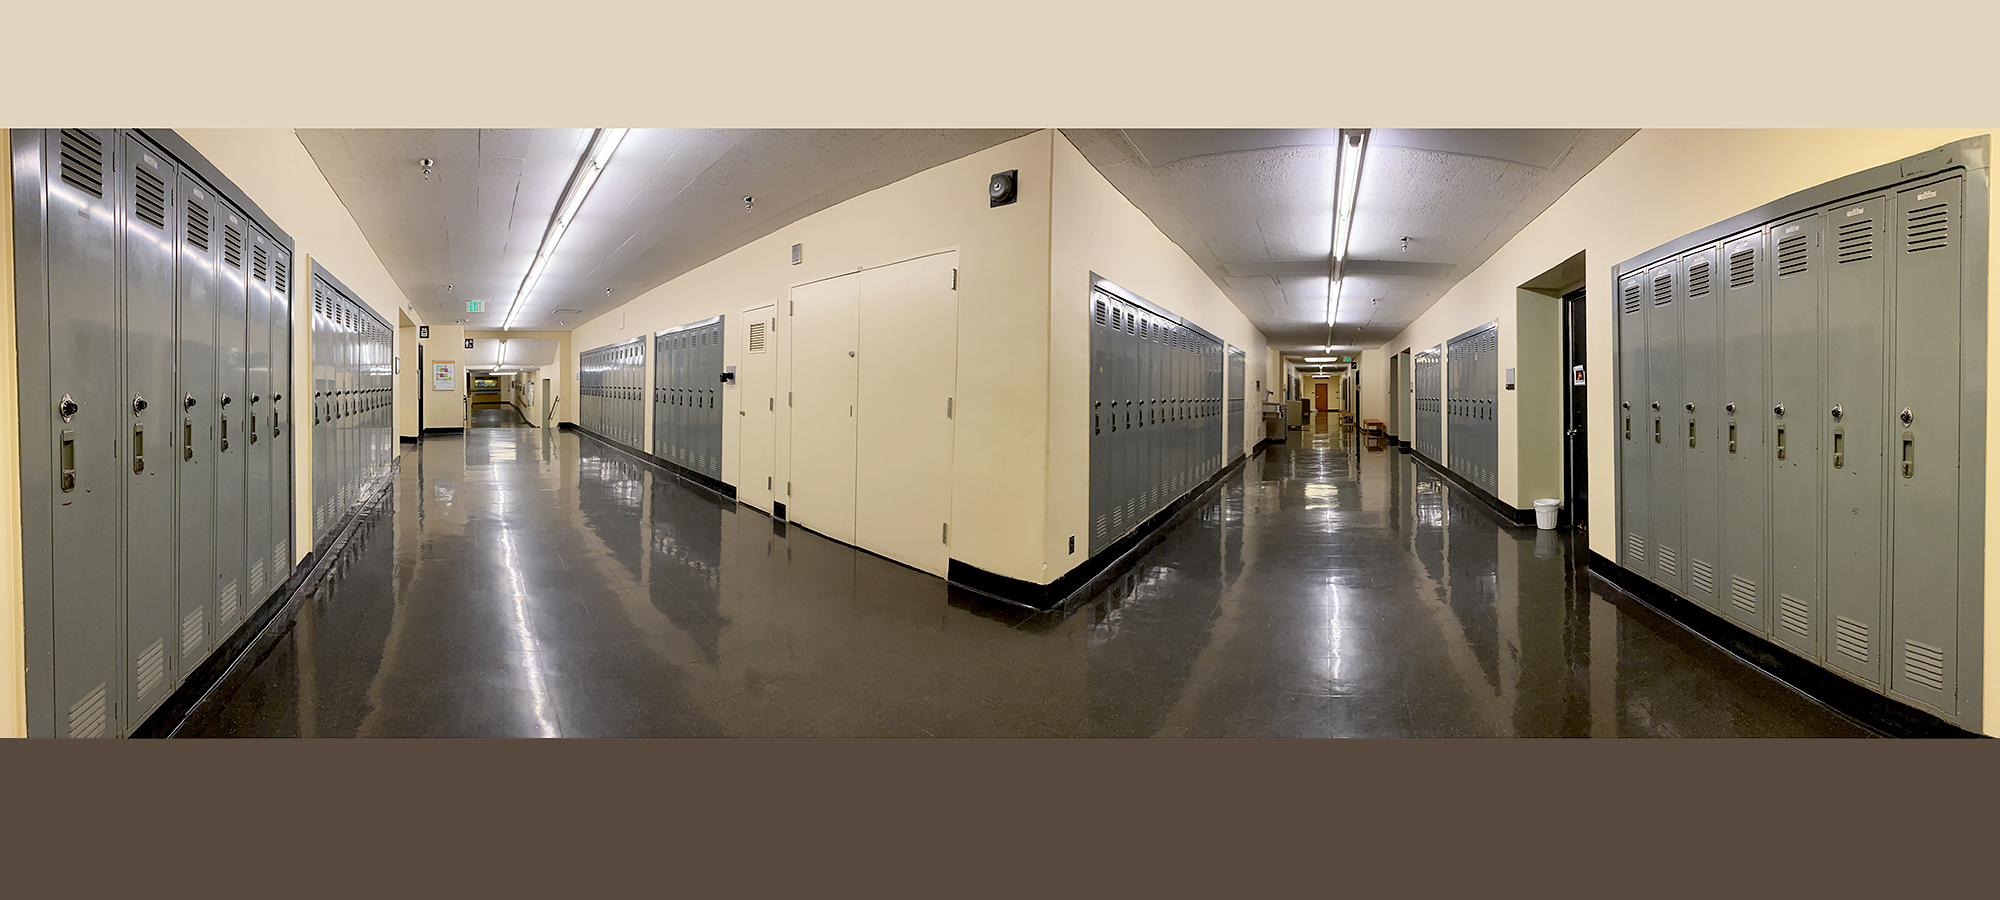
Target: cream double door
{"x":874,"y":363}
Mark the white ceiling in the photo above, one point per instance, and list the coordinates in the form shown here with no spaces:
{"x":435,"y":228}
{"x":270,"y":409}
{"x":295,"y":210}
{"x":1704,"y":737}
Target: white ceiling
{"x":1254,"y":208}
{"x":669,"y":200}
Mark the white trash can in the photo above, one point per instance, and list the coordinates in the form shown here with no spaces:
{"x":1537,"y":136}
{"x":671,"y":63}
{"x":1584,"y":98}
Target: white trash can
{"x":1545,"y":514}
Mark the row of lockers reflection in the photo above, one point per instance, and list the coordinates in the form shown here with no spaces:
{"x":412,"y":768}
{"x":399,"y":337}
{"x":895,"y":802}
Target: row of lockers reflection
{"x":1790,"y":435}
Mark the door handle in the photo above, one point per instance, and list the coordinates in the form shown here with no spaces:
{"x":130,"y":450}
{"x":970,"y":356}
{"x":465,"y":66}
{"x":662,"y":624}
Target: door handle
{"x":67,"y":458}
{"x":187,"y":438}
{"x":1909,"y":455}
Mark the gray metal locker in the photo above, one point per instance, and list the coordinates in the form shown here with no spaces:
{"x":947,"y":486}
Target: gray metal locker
{"x":257,"y":451}
{"x":1924,"y":423}
{"x":1100,"y":401}
{"x":1795,"y":412}
{"x":1634,"y":426}
{"x":231,"y":363}
{"x":1744,"y":511}
{"x":193,"y":404}
{"x":1663,"y":393}
{"x":1855,"y":371}
{"x":280,"y":411}
{"x":1695,"y":425}
{"x":150,"y":217}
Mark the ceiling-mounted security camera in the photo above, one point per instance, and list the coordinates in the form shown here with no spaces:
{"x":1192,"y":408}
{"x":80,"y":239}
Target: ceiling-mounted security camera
{"x":1003,"y":188}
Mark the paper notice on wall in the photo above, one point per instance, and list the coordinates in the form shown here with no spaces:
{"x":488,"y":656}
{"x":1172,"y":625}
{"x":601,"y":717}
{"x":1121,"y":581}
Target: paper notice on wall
{"x":444,"y":375}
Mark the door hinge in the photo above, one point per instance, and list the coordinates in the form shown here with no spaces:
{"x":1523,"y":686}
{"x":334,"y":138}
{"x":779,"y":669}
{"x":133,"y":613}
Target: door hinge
{"x":767,"y":481}
{"x":793,"y":309}
{"x":954,"y":279}
{"x":945,"y":536}
{"x":788,"y":489}
{"x":947,"y":407}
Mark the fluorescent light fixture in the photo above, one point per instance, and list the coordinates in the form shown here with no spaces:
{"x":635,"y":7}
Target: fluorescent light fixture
{"x":1353,"y":144}
{"x":1320,"y":359}
{"x":595,"y":157}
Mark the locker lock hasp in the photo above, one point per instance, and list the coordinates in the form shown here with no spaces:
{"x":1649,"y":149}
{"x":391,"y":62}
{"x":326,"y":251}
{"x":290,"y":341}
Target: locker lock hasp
{"x":1003,"y":188}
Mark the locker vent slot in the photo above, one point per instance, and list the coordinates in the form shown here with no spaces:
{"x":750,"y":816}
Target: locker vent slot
{"x":1634,"y":298}
{"x":1635,"y":547}
{"x":260,"y":265}
{"x":1743,"y":594}
{"x":756,"y":337}
{"x":1698,"y":280}
{"x":1792,"y":256}
{"x":1669,"y":565}
{"x":281,"y":277}
{"x":1702,"y":575}
{"x":1794,"y":615}
{"x":1663,"y":290}
{"x":192,"y":628}
{"x":1100,"y":312}
{"x":1929,"y":228}
{"x":1923,"y":664}
{"x":232,"y":247}
{"x":1851,"y":637}
{"x":257,"y":578}
{"x":1857,"y":241}
{"x":151,"y":195}
{"x":226,"y":606}
{"x":197,"y":226}
{"x":151,"y":667}
{"x":1102,"y":523}
{"x":88,"y":719}
{"x":280,"y":567}
{"x":83,"y":161}
{"x":1742,"y":268}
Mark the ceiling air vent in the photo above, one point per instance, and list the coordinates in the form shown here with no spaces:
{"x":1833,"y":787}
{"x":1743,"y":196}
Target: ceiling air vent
{"x":1856,"y":241}
{"x":1928,"y":228}
{"x":565,"y":312}
{"x":197,"y":226}
{"x":232,"y":247}
{"x":1698,"y":280}
{"x":83,"y":161}
{"x":1792,"y":256}
{"x":1633,"y":298}
{"x":1923,"y":664}
{"x":1742,"y":268}
{"x":151,"y":196}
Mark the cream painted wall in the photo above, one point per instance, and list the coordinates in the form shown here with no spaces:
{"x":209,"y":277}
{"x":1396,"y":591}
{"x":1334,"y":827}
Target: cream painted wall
{"x":1664,"y":183}
{"x":1540,"y":383}
{"x":1000,"y":433}
{"x":1093,"y":228}
{"x":13,"y":626}
{"x":444,"y":409}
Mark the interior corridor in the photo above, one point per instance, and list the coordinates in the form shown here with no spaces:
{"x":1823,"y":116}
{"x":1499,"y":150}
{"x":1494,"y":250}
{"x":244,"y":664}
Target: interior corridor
{"x":517,"y":582}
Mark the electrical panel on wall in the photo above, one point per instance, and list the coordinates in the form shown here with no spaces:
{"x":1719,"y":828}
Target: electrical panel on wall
{"x":1797,"y":448}
{"x":154,"y":332}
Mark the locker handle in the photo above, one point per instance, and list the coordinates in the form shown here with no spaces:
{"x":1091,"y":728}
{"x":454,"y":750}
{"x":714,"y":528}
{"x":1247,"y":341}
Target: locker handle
{"x":252,"y":419}
{"x":1628,"y":427}
{"x":1839,"y":449}
{"x":138,"y":447}
{"x":1781,"y":440}
{"x":1909,"y":455}
{"x":1732,"y":437}
{"x":1690,"y":431}
{"x":67,"y":460}
{"x":225,"y":433}
{"x":1656,"y":429}
{"x":187,"y":438}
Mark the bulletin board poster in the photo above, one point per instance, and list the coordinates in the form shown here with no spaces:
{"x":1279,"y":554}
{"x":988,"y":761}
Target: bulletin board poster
{"x":444,"y":375}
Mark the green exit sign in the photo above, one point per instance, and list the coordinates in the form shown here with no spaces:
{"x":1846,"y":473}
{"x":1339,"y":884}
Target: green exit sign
{"x":475,"y":306}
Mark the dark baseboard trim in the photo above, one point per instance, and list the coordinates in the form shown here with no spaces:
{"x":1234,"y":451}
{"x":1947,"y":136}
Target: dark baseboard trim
{"x":456,"y":429}
{"x":1867,"y":708}
{"x":665,"y":466}
{"x":567,"y":426}
{"x":1259,"y":448}
{"x":1097,"y":571}
{"x":408,"y":438}
{"x":1518,"y":517}
{"x":778,"y":511}
{"x":1401,"y":444}
{"x":271,"y":615}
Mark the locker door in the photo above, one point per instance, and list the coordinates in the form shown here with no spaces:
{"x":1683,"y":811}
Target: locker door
{"x":757,"y":385}
{"x":280,"y":416}
{"x":1795,"y":413}
{"x":257,"y":450}
{"x":1117,"y":463}
{"x":661,"y":362}
{"x":194,"y":406}
{"x":87,"y":419}
{"x":1856,"y":364}
{"x":232,"y":334}
{"x":1695,"y":421}
{"x":908,"y":370}
{"x":1663,"y":381}
{"x":151,"y":216}
{"x":824,"y":395}
{"x":1100,"y":401}
{"x":713,"y":377}
{"x":1634,"y":427}
{"x":1924,"y":459}
{"x":1743,"y":514}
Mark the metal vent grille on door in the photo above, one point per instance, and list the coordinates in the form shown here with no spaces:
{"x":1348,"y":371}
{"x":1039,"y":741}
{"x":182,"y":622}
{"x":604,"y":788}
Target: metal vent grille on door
{"x":1100,"y":312}
{"x":1635,"y":547}
{"x":197,"y":226}
{"x":1851,"y":638}
{"x":151,"y":667}
{"x":756,"y":337}
{"x":281,"y":568}
{"x":1702,"y":575}
{"x":260,"y":265}
{"x":151,"y":194}
{"x":1744,"y":594}
{"x":1698,"y":280}
{"x":194,"y":630}
{"x":1928,"y":228}
{"x":257,"y":578}
{"x":1856,"y":241}
{"x":1794,"y":615}
{"x":83,"y":161}
{"x":1634,"y":298}
{"x":1664,"y":558}
{"x":1923,"y":664}
{"x":89,"y":717}
{"x":281,"y":278}
{"x":1742,"y":268}
{"x":1792,"y":256}
{"x":226,"y":604}
{"x":1663,"y":290}
{"x":232,"y":247}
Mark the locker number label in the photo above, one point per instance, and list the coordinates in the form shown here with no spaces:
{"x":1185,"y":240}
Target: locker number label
{"x":1926,"y":195}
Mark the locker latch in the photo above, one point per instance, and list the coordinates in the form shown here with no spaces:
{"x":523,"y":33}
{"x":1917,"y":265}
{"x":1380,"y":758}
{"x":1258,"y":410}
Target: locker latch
{"x":68,"y":458}
{"x":1839,"y":448}
{"x":138,"y":448}
{"x":1909,"y":453}
{"x":187,"y":438}
{"x":1732,"y":437}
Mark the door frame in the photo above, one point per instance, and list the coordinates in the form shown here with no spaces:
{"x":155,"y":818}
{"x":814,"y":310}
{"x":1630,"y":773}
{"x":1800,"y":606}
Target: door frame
{"x":1576,"y":459}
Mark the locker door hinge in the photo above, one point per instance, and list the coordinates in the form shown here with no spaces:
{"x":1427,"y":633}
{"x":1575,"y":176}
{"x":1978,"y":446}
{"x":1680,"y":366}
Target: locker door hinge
{"x":954,"y":279}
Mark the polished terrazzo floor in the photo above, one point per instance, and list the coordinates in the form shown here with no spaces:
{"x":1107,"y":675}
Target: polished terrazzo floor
{"x":518,"y":582}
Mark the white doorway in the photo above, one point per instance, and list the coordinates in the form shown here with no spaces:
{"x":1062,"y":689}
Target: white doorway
{"x":757,"y":408}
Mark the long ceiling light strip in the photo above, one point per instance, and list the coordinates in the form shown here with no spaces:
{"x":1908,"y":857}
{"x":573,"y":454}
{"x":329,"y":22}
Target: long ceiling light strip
{"x":595,"y":157}
{"x":1353,"y":145}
